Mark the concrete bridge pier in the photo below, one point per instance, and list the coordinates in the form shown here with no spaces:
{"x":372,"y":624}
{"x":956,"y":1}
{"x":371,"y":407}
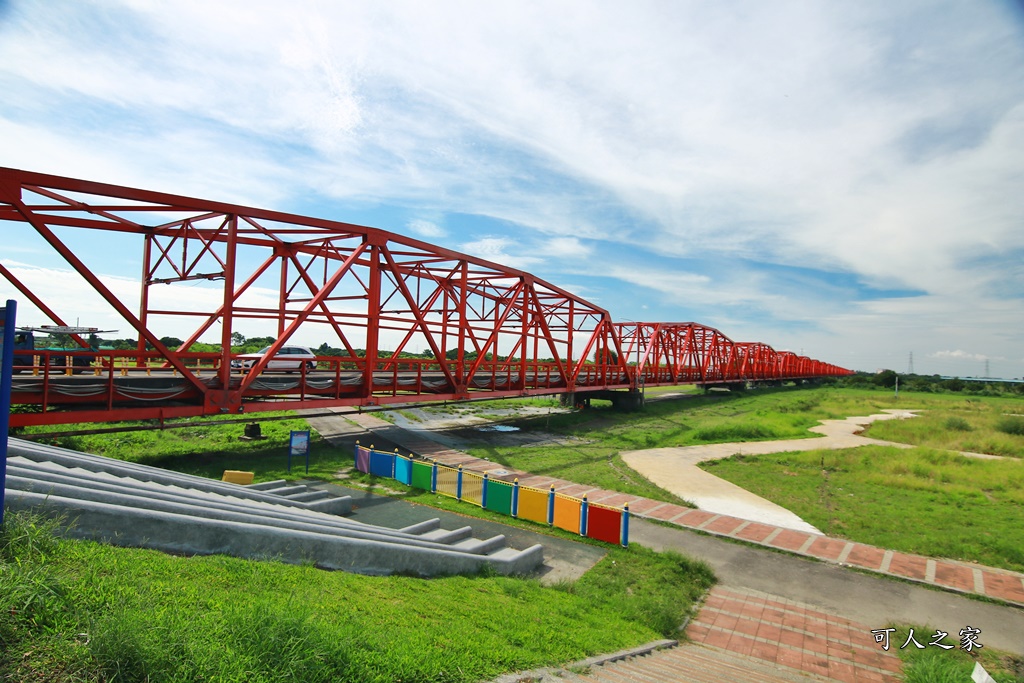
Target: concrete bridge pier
{"x":628,"y":400}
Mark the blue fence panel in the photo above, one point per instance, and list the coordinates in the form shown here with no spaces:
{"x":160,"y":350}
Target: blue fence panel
{"x":382,"y":464}
{"x":403,"y":470}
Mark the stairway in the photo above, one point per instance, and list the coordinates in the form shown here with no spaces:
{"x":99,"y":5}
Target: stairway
{"x":134,"y":505}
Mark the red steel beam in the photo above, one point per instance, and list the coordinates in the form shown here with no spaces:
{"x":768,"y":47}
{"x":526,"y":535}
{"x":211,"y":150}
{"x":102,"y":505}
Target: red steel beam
{"x":510,"y":333}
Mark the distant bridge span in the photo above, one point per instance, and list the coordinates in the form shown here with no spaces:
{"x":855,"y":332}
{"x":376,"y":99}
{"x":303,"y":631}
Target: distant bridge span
{"x":489,"y":330}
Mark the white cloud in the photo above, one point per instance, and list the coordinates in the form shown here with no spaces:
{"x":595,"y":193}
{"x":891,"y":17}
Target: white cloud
{"x":426,"y":229}
{"x":884,"y":142}
{"x":962,"y":355}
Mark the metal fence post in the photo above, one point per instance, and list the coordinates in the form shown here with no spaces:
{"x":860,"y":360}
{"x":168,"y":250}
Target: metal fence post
{"x":483,"y":493}
{"x":551,"y":505}
{"x":583,"y":516}
{"x":458,"y":485}
{"x":6,"y":375}
{"x":433,"y":476}
{"x":515,"y":498}
{"x":625,"y":525}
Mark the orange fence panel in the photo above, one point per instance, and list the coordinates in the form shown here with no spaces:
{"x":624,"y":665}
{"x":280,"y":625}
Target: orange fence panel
{"x":567,"y":513}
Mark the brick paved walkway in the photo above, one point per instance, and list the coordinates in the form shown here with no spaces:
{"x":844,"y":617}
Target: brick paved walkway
{"x":793,"y":636}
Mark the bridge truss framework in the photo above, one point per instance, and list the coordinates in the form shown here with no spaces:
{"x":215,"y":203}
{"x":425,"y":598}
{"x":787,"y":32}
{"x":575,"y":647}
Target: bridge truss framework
{"x":491,"y":330}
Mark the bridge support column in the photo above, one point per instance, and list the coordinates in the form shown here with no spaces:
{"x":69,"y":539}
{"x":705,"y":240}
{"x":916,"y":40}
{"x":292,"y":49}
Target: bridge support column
{"x":630,"y":400}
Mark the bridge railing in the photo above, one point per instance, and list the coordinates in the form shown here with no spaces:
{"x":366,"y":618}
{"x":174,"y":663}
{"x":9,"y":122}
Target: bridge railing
{"x":575,"y":515}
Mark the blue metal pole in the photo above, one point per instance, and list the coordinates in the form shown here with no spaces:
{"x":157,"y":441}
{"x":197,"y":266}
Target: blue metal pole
{"x":458,"y":485}
{"x":551,"y":505}
{"x":483,"y":492}
{"x":584,"y":506}
{"x":625,"y":525}
{"x":6,"y":373}
{"x":515,"y":498}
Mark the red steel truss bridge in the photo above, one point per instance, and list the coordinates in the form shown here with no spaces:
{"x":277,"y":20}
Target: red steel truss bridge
{"x":487,"y":330}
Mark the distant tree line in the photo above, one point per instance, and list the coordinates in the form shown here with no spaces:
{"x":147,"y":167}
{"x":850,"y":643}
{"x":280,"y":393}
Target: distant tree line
{"x":886,"y":379}
{"x":242,"y":344}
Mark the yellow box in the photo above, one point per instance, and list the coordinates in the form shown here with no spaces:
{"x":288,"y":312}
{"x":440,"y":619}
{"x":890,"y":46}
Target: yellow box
{"x":237,"y":477}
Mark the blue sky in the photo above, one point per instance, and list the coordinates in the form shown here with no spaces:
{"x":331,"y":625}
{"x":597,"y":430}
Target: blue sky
{"x":837,"y":179}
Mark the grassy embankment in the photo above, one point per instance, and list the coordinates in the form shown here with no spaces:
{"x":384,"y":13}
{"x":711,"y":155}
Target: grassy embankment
{"x":79,"y":611}
{"x":82,"y":611}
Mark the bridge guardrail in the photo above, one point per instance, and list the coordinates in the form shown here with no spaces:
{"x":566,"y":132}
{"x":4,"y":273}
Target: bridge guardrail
{"x":576,"y":515}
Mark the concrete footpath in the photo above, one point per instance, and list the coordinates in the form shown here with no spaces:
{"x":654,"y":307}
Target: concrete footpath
{"x":802,"y":609}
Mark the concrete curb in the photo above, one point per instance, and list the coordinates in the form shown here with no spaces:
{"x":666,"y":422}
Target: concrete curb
{"x":558,"y":673}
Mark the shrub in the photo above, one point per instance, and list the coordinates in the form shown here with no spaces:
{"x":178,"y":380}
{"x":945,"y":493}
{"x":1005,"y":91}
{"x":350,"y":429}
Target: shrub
{"x":958,"y":424}
{"x":1011,"y":424}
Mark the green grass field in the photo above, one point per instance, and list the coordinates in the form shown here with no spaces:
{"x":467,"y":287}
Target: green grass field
{"x":82,"y":611}
{"x":920,"y":500}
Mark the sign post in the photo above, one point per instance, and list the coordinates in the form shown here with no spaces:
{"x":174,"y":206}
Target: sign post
{"x":8,"y":313}
{"x":298,"y":445}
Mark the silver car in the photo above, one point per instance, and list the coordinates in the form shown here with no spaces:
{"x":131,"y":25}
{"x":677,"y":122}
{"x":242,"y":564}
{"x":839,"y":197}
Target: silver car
{"x":287,"y":358}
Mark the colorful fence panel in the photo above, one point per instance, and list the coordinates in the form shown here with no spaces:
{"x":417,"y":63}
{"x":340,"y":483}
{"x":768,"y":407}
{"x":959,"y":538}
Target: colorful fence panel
{"x":448,"y":481}
{"x":403,"y":470}
{"x":604,"y":524}
{"x":499,"y":496}
{"x":382,"y":464}
{"x":567,"y":513}
{"x":533,"y":505}
{"x":362,"y":459}
{"x":422,"y":475}
{"x":472,"y":488}
{"x":545,"y":507}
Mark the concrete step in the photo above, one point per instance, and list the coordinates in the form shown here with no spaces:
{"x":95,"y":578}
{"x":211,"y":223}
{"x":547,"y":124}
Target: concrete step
{"x":310,"y":496}
{"x":129,"y":504}
{"x":693,"y":664}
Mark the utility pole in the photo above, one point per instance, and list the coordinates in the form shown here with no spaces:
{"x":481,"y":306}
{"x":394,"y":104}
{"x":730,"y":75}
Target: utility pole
{"x":910,"y":365}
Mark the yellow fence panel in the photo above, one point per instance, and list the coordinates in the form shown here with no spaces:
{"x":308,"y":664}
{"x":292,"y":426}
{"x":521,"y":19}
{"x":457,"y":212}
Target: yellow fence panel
{"x":447,"y":481}
{"x":567,"y":513}
{"x":472,"y":488}
{"x":533,"y":505}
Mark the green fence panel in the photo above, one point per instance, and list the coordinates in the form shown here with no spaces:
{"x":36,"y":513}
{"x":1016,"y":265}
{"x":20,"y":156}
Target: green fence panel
{"x":421,"y":475}
{"x":499,"y":496}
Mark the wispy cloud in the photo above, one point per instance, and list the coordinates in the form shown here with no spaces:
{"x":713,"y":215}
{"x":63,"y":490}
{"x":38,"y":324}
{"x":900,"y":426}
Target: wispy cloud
{"x":879,"y":145}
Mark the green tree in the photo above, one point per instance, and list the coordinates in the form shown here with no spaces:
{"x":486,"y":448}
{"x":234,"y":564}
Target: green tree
{"x":886,"y":378}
